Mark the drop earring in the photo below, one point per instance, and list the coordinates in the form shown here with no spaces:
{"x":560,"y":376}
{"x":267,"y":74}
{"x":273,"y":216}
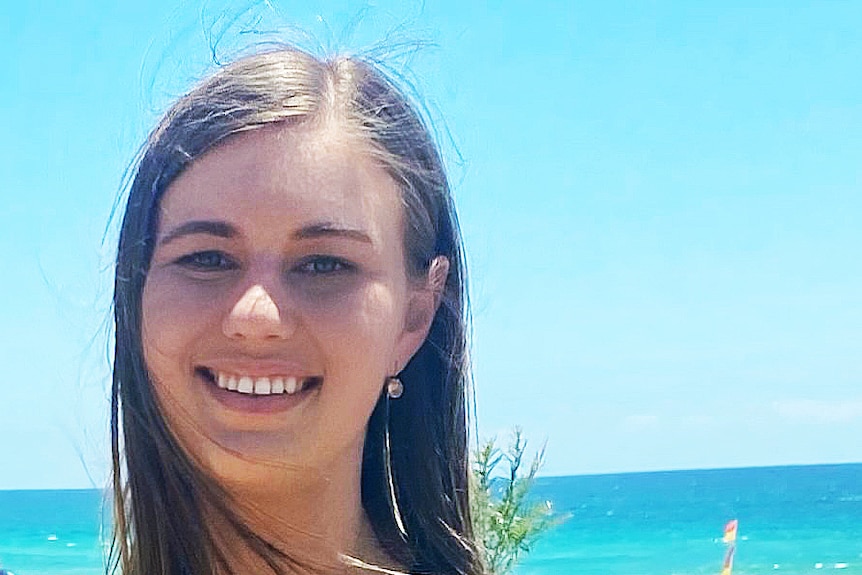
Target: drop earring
{"x":394,"y":387}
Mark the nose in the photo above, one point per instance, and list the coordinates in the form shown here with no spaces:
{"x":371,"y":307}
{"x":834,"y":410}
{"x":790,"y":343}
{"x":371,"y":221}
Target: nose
{"x":256,"y":316}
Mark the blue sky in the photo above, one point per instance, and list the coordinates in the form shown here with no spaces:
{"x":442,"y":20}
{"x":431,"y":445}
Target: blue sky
{"x":659,"y":200}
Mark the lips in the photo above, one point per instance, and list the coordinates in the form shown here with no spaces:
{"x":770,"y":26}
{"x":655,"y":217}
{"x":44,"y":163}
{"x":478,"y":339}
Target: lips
{"x":256,"y":385}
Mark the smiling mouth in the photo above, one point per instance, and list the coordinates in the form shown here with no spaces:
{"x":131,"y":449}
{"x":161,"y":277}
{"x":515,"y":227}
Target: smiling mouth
{"x":259,"y":386}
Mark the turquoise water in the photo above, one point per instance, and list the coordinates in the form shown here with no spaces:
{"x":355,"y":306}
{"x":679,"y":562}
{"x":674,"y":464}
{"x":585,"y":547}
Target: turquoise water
{"x":51,"y":532}
{"x":791,"y":519}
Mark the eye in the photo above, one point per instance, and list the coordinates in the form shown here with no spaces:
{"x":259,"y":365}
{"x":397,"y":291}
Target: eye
{"x":210,"y":260}
{"x":323,"y":265}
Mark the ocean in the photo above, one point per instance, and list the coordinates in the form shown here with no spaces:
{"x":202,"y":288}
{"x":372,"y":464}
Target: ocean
{"x":792,"y":521}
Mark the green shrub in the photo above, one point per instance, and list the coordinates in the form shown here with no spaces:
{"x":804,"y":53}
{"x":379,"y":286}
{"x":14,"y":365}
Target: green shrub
{"x":507,"y":521}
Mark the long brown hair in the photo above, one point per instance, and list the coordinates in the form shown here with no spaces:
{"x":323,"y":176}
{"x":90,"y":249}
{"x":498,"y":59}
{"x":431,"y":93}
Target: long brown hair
{"x":415,"y":466}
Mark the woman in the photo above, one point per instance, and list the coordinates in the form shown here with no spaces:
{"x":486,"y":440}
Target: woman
{"x":290,"y":362}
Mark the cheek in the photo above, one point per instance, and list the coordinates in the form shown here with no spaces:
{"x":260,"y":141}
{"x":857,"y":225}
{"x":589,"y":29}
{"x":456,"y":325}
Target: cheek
{"x":370,"y":325}
{"x":360,"y":346}
{"x":172,"y":318}
{"x":172,"y":321}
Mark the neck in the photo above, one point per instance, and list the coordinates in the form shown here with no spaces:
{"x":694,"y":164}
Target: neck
{"x":315,"y":517}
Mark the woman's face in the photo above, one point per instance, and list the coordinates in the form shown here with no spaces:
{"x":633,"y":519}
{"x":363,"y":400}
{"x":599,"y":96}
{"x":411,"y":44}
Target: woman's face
{"x":277,"y":301}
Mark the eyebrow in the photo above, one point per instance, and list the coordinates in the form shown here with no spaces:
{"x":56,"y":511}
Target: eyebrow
{"x":223,"y":229}
{"x":210,"y":227}
{"x":329,"y":229}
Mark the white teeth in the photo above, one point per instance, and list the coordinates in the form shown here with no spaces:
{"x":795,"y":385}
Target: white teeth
{"x":246,"y":385}
{"x":262,"y":386}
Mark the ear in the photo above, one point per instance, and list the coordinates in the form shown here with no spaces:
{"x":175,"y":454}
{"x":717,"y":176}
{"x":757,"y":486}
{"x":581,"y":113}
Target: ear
{"x":421,"y":309}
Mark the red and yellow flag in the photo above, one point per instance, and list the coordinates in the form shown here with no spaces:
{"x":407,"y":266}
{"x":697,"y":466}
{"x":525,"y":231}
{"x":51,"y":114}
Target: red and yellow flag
{"x":730,"y":531}
{"x":730,"y":539}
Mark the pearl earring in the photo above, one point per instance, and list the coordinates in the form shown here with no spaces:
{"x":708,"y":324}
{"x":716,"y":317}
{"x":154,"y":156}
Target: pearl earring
{"x":394,"y":387}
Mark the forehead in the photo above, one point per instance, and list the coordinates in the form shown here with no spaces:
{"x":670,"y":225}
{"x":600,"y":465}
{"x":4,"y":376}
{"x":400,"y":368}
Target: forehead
{"x":285,"y":176}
